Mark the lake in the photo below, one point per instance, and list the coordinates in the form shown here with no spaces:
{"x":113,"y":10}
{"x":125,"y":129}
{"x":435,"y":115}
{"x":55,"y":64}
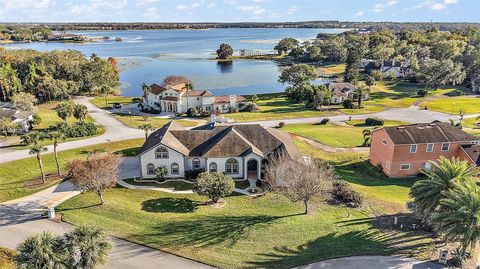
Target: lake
{"x":150,"y":55}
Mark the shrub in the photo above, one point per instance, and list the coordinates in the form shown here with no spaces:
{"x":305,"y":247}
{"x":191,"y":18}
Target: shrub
{"x":161,"y":172}
{"x":192,"y":112}
{"x":347,"y":103}
{"x":343,"y":192}
{"x":422,"y":92}
{"x":281,"y":124}
{"x":377,"y":75}
{"x":36,"y":119}
{"x":233,"y":110}
{"x":78,"y":129}
{"x":137,"y":100}
{"x":250,"y":107}
{"x":374,"y":122}
{"x":213,"y":185}
{"x":324,"y":121}
{"x":193,"y":174}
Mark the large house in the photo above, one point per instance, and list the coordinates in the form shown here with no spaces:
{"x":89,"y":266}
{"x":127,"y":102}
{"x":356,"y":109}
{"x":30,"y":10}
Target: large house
{"x":406,"y":150}
{"x":400,"y":69}
{"x":176,"y":99}
{"x":343,"y":91}
{"x":23,"y":119}
{"x":239,"y":151}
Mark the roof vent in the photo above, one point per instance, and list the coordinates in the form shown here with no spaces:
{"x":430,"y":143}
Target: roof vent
{"x":401,"y":128}
{"x":433,"y":124}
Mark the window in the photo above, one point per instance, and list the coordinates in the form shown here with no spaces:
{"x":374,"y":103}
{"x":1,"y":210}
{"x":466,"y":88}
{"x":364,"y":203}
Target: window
{"x":405,"y":166}
{"x":413,"y":148}
{"x":430,"y":147}
{"x":196,"y":163}
{"x":150,"y":169}
{"x":161,"y":153}
{"x":384,"y":141}
{"x":212,"y":167}
{"x":174,"y":169}
{"x":445,"y":146}
{"x":231,"y":166}
{"x":387,"y":165}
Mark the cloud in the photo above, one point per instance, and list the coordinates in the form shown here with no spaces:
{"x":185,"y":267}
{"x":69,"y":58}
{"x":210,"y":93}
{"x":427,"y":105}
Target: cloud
{"x":380,"y":6}
{"x":211,"y":5}
{"x":436,"y":5}
{"x":292,"y":10}
{"x":145,"y":2}
{"x":254,"y":9}
{"x":151,"y":13}
{"x":23,"y":4}
{"x":97,"y":7}
{"x":230,"y":2}
{"x":359,"y":13}
{"x":182,"y":7}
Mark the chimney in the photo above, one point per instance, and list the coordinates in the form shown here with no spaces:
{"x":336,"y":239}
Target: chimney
{"x":233,"y":101}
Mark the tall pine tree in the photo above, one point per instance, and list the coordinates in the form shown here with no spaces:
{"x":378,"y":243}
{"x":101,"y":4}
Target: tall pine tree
{"x":352,"y":65}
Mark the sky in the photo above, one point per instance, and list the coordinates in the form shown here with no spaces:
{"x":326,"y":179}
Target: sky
{"x":238,"y":10}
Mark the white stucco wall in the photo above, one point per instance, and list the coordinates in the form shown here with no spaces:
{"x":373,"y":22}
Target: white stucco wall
{"x":221,"y":166}
{"x":173,"y":157}
{"x":189,"y":163}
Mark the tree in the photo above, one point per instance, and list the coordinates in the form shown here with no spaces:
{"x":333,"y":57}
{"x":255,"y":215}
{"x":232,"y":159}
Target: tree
{"x":352,"y":65}
{"x":435,"y":73}
{"x":361,"y":92}
{"x":298,"y":74}
{"x":37,"y":150}
{"x":96,"y":174}
{"x":377,"y":75}
{"x":80,"y":112}
{"x":9,"y":81}
{"x":299,"y":181}
{"x":56,"y":136}
{"x":146,"y":127}
{"x":40,"y":251}
{"x":8,"y":127}
{"x":225,"y":51}
{"x":254,"y":99}
{"x":285,"y":45}
{"x":64,"y":110}
{"x":459,"y":219}
{"x":86,"y":247}
{"x":188,"y":87}
{"x":213,"y":185}
{"x":161,"y":172}
{"x":24,"y":101}
{"x":370,"y":81}
{"x":367,"y":137}
{"x":175,"y":80}
{"x":348,"y":104}
{"x":443,"y":177}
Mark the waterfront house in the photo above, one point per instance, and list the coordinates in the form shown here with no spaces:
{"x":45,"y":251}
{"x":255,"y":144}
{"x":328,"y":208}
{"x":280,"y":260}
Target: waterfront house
{"x":343,"y":91}
{"x":240,"y":151}
{"x":406,"y":150}
{"x":176,"y":99}
{"x":23,"y":119}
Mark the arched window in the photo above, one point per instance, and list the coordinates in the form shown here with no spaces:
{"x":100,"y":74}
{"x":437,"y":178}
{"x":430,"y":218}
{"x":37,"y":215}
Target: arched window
{"x":175,"y":170}
{"x":161,"y":153}
{"x":196,"y":163}
{"x":231,"y":166}
{"x":150,"y":169}
{"x":212,"y":167}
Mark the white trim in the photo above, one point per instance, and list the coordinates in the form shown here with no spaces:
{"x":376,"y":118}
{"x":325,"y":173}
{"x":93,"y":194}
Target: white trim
{"x":413,"y":148}
{"x":431,"y":150}
{"x":404,"y":168}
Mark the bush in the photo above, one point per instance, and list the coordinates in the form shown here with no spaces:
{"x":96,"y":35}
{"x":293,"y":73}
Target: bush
{"x":250,"y":107}
{"x":374,"y":122}
{"x":36,"y":119}
{"x":213,"y":185}
{"x":343,"y":192}
{"x":137,"y":100}
{"x":324,"y":121}
{"x":192,"y":112}
{"x":281,"y":124}
{"x":161,"y":172}
{"x":391,"y":76}
{"x":78,"y":129}
{"x":347,"y":103}
{"x":233,"y":110}
{"x":377,"y":75}
{"x":193,"y":174}
{"x":422,"y":92}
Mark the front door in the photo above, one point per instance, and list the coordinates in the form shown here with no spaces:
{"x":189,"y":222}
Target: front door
{"x":252,"y":169}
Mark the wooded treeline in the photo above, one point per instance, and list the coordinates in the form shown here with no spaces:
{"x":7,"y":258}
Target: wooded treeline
{"x":55,"y":75}
{"x":24,"y":32}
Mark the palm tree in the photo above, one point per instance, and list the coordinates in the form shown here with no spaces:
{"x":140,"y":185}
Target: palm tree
{"x":80,"y":112}
{"x":443,"y":176}
{"x":37,"y":150}
{"x":460,"y":216}
{"x":87,"y":247}
{"x":40,"y":251}
{"x":367,"y":136}
{"x":145,"y":88}
{"x":188,"y":87}
{"x":146,"y":127}
{"x":56,"y":136}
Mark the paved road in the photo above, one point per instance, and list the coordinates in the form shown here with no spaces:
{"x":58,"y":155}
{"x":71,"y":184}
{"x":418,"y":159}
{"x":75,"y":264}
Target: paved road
{"x":372,"y":262}
{"x":115,"y":130}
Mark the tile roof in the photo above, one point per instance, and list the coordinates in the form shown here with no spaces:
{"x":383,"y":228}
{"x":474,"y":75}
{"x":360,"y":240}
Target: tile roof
{"x":428,"y":133}
{"x":198,"y":93}
{"x":226,"y":99}
{"x":156,"y":89}
{"x":169,"y":98}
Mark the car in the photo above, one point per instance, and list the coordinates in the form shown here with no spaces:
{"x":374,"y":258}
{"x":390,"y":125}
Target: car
{"x":117,"y":105}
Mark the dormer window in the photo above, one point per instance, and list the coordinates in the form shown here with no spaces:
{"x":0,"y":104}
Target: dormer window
{"x":413,"y":148}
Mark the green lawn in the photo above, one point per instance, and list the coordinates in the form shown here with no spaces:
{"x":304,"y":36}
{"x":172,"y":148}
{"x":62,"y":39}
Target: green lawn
{"x":366,"y":109}
{"x":275,"y":106}
{"x":100,"y":100}
{"x":453,"y":105}
{"x":328,"y":134}
{"x":135,"y":121}
{"x":14,"y":175}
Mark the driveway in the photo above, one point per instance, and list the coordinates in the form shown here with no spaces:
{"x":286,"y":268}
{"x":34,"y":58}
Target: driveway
{"x":372,"y":262}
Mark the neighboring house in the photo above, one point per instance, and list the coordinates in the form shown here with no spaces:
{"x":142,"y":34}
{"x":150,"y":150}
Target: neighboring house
{"x":343,"y":91}
{"x":24,"y":119}
{"x":175,"y":99}
{"x":406,"y":150}
{"x":475,"y":82}
{"x":240,"y":151}
{"x":400,"y":69}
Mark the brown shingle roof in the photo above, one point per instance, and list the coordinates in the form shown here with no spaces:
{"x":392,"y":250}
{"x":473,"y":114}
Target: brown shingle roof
{"x":428,"y":133}
{"x":226,"y":99}
{"x":473,"y":151}
{"x":342,"y":89}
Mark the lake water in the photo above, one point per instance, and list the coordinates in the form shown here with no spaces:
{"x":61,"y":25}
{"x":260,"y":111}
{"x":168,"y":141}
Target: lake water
{"x":150,"y":55}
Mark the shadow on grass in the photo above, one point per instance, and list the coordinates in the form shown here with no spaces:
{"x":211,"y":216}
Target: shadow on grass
{"x":207,"y":230}
{"x":170,"y":205}
{"x":60,"y":210}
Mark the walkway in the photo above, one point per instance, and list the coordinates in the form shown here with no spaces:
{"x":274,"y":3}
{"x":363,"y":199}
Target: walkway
{"x":372,"y":262}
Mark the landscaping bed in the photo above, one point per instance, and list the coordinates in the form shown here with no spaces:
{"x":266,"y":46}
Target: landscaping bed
{"x":175,"y":185}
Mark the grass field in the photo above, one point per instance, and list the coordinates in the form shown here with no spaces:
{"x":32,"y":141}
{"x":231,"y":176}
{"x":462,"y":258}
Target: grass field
{"x":6,"y":258}
{"x":453,"y":105}
{"x":135,"y":121}
{"x":14,"y":175}
{"x":366,"y":109}
{"x":100,"y":100}
{"x":330,"y":70}
{"x":328,"y":134}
